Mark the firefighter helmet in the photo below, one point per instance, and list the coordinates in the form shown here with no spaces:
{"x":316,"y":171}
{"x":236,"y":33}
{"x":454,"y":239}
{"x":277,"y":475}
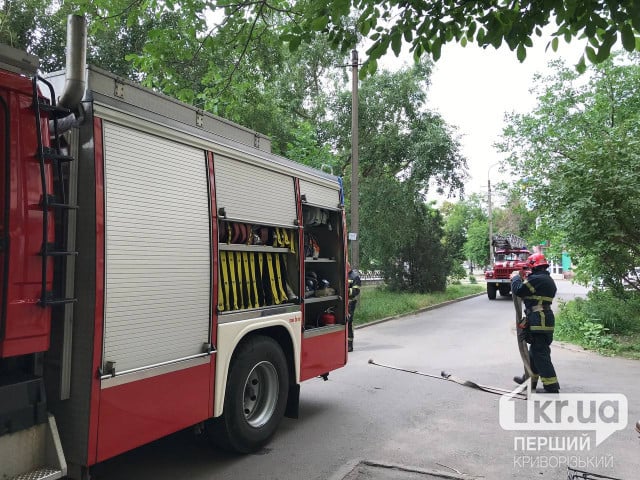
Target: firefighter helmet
{"x":537,"y":260}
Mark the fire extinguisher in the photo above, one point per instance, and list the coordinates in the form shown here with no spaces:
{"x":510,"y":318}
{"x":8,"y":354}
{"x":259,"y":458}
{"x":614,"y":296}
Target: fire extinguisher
{"x":328,"y":317}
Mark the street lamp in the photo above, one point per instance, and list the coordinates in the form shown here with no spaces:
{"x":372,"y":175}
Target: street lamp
{"x":490,"y":212}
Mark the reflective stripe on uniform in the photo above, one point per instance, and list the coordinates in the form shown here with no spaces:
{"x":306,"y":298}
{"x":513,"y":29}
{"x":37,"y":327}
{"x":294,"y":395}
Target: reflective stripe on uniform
{"x":540,"y":328}
{"x":549,"y":380}
{"x":543,"y":327}
{"x":540,"y":308}
{"x":540,"y":298}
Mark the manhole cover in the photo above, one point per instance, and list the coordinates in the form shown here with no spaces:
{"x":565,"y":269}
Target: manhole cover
{"x":366,"y":470}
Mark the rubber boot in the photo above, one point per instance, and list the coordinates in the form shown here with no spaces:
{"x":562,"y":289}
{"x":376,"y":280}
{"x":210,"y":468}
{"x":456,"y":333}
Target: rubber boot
{"x":524,"y":378}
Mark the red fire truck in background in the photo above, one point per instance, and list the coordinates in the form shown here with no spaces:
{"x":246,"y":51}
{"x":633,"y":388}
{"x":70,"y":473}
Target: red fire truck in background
{"x":509,"y":254}
{"x":160,"y":269}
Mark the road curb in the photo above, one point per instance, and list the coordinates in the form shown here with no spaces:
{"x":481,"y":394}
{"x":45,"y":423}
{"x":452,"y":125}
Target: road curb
{"x":574,"y":348}
{"x":415,"y":312}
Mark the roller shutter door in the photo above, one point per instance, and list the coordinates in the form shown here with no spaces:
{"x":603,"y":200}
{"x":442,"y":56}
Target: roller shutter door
{"x":254,"y":194}
{"x":320,"y":195}
{"x":157,"y":249}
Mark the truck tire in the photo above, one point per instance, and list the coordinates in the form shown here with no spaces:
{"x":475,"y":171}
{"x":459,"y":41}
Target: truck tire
{"x":505,"y":290}
{"x":491,"y":291}
{"x":255,"y":398}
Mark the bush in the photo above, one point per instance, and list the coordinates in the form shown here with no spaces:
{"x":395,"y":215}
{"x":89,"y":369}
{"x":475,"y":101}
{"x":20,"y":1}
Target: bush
{"x":597,"y":321}
{"x":472,"y":279}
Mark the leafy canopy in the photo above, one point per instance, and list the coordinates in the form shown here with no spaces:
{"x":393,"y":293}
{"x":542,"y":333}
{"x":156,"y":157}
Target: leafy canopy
{"x":179,"y":30}
{"x":427,"y":26}
{"x":581,"y":146}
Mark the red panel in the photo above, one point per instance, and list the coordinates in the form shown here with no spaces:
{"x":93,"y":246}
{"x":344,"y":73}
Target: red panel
{"x":322,"y":354}
{"x":141,"y":412}
{"x":26,"y":325}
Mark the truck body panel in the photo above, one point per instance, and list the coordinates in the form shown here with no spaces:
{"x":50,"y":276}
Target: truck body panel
{"x":157,"y":299}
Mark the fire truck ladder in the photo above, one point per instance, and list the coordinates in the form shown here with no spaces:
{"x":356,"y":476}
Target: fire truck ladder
{"x":55,"y":201}
{"x":508,"y":242}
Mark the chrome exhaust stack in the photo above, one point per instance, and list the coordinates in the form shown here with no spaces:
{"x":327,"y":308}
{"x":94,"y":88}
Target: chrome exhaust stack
{"x":76,"y":62}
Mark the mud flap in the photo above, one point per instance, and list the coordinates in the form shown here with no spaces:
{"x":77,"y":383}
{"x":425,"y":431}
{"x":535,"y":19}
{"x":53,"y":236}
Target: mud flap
{"x":293,"y":401}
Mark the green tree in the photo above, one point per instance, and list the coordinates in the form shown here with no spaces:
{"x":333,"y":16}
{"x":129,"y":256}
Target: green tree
{"x":404,"y":151}
{"x":404,"y":236}
{"x":477,"y":246}
{"x":398,"y":135}
{"x":458,"y":218}
{"x":583,"y":136}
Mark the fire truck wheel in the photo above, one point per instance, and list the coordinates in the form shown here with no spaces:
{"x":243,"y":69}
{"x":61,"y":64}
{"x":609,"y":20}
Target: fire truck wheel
{"x":491,"y":291}
{"x":255,"y":399}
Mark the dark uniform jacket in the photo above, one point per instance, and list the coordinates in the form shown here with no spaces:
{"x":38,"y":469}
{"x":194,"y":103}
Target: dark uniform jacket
{"x":354,"y":290}
{"x":537,"y":293}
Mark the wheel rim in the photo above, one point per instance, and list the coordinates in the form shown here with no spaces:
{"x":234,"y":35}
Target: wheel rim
{"x":260,"y":394}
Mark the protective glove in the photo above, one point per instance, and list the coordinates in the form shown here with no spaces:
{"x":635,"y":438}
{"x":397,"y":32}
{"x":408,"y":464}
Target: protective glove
{"x":524,"y":335}
{"x":515,"y":273}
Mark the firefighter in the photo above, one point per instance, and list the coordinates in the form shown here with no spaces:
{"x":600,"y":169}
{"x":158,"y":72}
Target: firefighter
{"x":354,"y":292}
{"x":537,"y":293}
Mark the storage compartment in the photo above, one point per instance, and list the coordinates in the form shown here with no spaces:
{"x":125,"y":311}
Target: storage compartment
{"x":324,"y":268}
{"x":258,"y":266}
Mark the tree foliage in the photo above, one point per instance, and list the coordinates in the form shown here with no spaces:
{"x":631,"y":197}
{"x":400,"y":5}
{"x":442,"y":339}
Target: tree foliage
{"x":458,"y":220}
{"x":405,"y":150}
{"x":476,"y":248}
{"x":403,"y":236}
{"x":176,"y":34}
{"x":399,"y":136}
{"x":582,"y":143}
{"x":427,"y":26}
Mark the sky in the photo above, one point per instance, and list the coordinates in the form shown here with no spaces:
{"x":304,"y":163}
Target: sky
{"x":472,"y":88}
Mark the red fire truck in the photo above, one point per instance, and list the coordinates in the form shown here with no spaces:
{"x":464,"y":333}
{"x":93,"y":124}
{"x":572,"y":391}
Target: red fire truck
{"x":161,"y":269}
{"x":509,"y":254}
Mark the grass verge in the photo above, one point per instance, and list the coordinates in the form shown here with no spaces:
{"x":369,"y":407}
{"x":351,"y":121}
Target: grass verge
{"x":376,"y":302}
{"x":602,"y":322}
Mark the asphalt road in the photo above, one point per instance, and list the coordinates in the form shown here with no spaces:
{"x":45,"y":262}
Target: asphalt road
{"x":397,"y":420}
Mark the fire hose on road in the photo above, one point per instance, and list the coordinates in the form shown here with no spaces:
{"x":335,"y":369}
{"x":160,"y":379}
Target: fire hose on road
{"x":522,"y":344}
{"x":450,"y":378}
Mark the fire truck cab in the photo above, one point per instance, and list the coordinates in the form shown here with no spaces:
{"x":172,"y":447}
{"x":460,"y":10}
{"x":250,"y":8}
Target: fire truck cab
{"x":154,"y":265}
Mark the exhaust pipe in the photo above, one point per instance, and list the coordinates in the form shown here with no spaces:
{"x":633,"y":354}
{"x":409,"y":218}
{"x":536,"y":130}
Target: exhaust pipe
{"x":76,"y":62}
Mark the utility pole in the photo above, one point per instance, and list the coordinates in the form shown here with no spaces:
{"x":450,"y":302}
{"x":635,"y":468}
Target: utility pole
{"x":490,"y":222}
{"x":490,"y":212}
{"x":355,"y":202}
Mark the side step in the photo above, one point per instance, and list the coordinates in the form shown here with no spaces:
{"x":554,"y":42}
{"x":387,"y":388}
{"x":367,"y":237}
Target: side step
{"x":33,"y":454}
